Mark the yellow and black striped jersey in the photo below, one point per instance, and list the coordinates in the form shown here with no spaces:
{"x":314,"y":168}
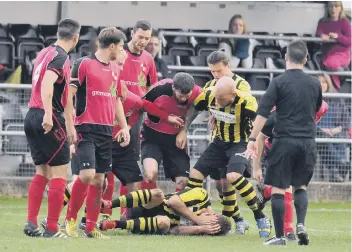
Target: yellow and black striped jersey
{"x":234,"y":122}
{"x":241,"y":83}
{"x":196,"y":199}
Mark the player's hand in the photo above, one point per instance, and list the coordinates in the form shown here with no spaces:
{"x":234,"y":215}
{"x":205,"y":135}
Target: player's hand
{"x":258,"y":173}
{"x":71,"y":134}
{"x":207,"y":219}
{"x":211,"y":122}
{"x":325,"y":37}
{"x":47,"y":122}
{"x":175,"y":120}
{"x":252,"y":150}
{"x":181,"y":139}
{"x":333,"y":35}
{"x":210,"y":229}
{"x":72,"y":150}
{"x":123,"y":137}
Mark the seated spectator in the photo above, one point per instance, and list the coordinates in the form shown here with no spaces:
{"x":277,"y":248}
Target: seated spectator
{"x":334,"y":124}
{"x":154,"y":48}
{"x":239,"y":49}
{"x":335,"y":25}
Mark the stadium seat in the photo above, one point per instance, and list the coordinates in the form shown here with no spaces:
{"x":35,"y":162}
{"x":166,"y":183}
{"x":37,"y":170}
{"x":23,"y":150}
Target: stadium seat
{"x":170,"y":39}
{"x":87,"y":34}
{"x":169,"y":60}
{"x":181,"y":50}
{"x":205,"y":50}
{"x":263,"y":52}
{"x":26,"y":39}
{"x":261,"y":82}
{"x":48,"y":33}
{"x":193,"y":61}
{"x":201,"y":78}
{"x":206,"y":40}
{"x":7,"y":50}
{"x":317,"y":59}
{"x":263,"y":41}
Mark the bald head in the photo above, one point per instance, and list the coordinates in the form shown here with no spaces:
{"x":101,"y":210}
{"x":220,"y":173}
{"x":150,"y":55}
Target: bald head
{"x":225,"y":91}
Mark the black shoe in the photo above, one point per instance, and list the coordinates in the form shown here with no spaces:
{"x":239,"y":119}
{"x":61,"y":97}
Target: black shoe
{"x":276,"y":241}
{"x":260,"y":196}
{"x":58,"y":234}
{"x":302,"y":235}
{"x":290,"y":236}
{"x":32,"y":230}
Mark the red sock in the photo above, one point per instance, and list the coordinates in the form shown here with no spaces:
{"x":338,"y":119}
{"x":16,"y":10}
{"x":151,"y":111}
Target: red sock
{"x":146,"y":185}
{"x":35,"y":196}
{"x":178,"y":189}
{"x":78,"y":194}
{"x":123,"y":191}
{"x":93,"y":204}
{"x":267,"y":192}
{"x":288,"y":217}
{"x":109,"y":192}
{"x":55,"y":202}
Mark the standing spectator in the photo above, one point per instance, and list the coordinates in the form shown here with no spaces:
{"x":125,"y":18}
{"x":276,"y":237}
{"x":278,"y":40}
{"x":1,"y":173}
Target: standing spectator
{"x":335,"y":25}
{"x":153,"y":48}
{"x":239,"y":49}
{"x":335,"y":124}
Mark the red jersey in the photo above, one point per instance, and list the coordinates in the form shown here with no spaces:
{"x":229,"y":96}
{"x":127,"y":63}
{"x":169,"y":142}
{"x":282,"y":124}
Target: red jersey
{"x":56,"y":59}
{"x":162,"y":95}
{"x":132,"y":107}
{"x":97,"y":90}
{"x":138,"y":72}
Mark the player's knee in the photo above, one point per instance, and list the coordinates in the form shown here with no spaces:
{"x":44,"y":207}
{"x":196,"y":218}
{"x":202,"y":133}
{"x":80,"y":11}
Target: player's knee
{"x":233,"y":176}
{"x":196,"y":174}
{"x":157,"y":194}
{"x":163,"y":223}
{"x":289,"y":190}
{"x":87,"y":176}
{"x":181,"y":182}
{"x":299,"y":188}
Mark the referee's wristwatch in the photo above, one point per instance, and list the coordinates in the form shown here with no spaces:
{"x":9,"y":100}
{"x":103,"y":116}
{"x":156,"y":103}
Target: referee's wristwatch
{"x":251,"y":139}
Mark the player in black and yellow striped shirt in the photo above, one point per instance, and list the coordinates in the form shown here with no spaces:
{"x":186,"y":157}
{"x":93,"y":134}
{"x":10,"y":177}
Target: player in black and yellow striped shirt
{"x":187,"y":208}
{"x":233,"y":111}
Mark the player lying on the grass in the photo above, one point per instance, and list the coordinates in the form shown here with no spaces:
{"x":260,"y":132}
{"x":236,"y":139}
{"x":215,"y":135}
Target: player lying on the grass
{"x":187,"y":212}
{"x":264,"y":141}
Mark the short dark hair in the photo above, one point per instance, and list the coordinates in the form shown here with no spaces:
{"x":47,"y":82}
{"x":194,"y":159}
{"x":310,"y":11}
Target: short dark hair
{"x":183,"y":82}
{"x":297,"y":51}
{"x":154,"y":33}
{"x":142,"y":24}
{"x":225,"y":225}
{"x":67,"y":29}
{"x":110,"y":35}
{"x":218,"y":56}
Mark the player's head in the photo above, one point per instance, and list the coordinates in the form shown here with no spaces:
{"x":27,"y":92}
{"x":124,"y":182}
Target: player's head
{"x":112,"y":40}
{"x":297,"y":53}
{"x":153,"y":46}
{"x":220,"y":64}
{"x":225,"y":225}
{"x":225,"y":91}
{"x":68,"y":31}
{"x":183,"y":84}
{"x":141,"y":33}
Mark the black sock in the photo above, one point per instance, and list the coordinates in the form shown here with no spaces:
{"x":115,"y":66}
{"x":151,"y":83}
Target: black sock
{"x":301,"y":205}
{"x":278,"y":211}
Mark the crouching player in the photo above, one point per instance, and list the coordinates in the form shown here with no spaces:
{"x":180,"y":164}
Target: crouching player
{"x":186,"y":212}
{"x":264,"y":191}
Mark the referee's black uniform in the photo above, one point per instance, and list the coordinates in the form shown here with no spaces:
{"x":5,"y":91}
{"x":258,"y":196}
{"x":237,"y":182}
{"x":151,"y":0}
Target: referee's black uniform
{"x":297,"y":97}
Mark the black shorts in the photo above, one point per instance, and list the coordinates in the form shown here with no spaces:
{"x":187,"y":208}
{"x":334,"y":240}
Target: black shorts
{"x":221,"y":158}
{"x":93,"y":151}
{"x":125,"y":163}
{"x":291,"y":161}
{"x":46,"y":149}
{"x":162,"y":147}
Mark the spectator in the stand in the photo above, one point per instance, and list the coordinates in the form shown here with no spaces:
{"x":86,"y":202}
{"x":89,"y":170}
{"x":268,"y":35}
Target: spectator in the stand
{"x":154,"y":48}
{"x":335,"y":25}
{"x":335,"y":124}
{"x":239,"y":49}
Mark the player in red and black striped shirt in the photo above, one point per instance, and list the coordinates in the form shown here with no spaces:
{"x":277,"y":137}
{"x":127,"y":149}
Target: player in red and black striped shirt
{"x":97,"y":105}
{"x":45,"y":128}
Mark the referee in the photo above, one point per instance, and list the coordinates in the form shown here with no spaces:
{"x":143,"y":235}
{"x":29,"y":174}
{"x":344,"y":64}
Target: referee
{"x":297,"y":97}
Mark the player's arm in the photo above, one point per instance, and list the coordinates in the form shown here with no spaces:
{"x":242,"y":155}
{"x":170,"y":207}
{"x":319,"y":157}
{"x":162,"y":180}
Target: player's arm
{"x":195,"y":230}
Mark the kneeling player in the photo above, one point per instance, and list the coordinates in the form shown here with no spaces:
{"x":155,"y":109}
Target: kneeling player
{"x":264,"y":141}
{"x":186,"y":212}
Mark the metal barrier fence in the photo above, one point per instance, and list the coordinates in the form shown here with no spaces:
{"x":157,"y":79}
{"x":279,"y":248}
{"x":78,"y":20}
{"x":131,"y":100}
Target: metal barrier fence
{"x":334,"y":151}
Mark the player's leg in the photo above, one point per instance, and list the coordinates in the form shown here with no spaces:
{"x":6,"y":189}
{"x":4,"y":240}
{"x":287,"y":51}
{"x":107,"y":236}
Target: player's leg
{"x":87,"y":163}
{"x":107,"y":195}
{"x":236,"y":169}
{"x":281,"y":160}
{"x":302,"y":174}
{"x":176,"y":166}
{"x":151,"y":158}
